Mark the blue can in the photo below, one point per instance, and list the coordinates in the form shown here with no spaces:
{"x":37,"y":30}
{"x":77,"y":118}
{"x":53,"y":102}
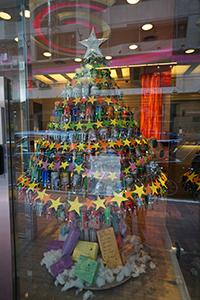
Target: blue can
{"x":45,"y":176}
{"x":76,"y":113}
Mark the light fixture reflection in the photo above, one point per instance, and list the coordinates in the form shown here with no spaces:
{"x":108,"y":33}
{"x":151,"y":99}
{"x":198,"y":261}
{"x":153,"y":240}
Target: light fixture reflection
{"x":16,"y":39}
{"x":108,"y":57}
{"x":47,"y":54}
{"x":27,"y":13}
{"x":189,"y":51}
{"x":5,"y":15}
{"x":133,"y":1}
{"x":133,"y":47}
{"x":77,"y":59}
{"x":147,"y":27}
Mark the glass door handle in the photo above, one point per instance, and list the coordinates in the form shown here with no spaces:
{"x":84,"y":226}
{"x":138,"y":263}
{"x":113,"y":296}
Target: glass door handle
{"x":1,"y":159}
{"x":178,"y":250}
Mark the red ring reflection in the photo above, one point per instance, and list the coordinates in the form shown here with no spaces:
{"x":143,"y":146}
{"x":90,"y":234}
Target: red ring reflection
{"x":38,"y":20}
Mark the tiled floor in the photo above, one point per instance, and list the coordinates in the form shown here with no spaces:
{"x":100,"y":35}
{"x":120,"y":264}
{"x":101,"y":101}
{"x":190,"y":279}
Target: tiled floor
{"x":182,"y":222}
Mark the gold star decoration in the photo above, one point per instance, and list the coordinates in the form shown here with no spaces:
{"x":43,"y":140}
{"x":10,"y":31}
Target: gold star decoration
{"x":153,"y":187}
{"x":51,"y":166}
{"x":162,"y":182}
{"x":40,"y":163}
{"x":66,"y":126}
{"x":75,"y":205}
{"x":55,"y":203}
{"x":80,"y":146}
{"x":113,"y":122}
{"x":126,"y":142}
{"x":78,"y":168}
{"x":191,"y":177}
{"x":96,"y":174}
{"x":32,"y":186}
{"x":41,"y":195}
{"x":64,"y":165}
{"x":92,"y":99}
{"x":139,"y":190}
{"x":111,"y":144}
{"x":77,"y":100}
{"x":96,"y":146}
{"x":112,"y":176}
{"x":65,"y":147}
{"x":99,"y":123}
{"x":79,"y":125}
{"x":126,"y":171}
{"x":108,"y":100}
{"x":119,"y":198}
{"x":90,"y":80}
{"x":51,"y":146}
{"x":57,"y":125}
{"x":198,"y":186}
{"x":79,"y":81}
{"x":99,"y":203}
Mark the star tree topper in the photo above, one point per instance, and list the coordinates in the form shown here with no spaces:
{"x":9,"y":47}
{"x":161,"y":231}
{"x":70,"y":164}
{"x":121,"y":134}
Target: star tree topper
{"x":93,"y":44}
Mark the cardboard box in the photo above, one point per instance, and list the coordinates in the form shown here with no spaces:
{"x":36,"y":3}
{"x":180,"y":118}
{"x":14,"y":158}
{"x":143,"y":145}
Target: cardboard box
{"x":87,"y":249}
{"x":86,"y":269}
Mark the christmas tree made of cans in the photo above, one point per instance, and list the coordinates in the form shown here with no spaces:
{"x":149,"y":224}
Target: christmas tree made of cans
{"x":93,"y":155}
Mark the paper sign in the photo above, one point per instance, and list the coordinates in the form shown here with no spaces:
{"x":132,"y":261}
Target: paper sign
{"x":86,"y":269}
{"x":127,"y":252}
{"x":109,"y":248}
{"x":87,"y":249}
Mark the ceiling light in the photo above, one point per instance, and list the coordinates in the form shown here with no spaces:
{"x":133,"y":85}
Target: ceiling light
{"x":189,"y":51}
{"x":27,"y":13}
{"x":133,"y":1}
{"x":113,"y":73}
{"x":147,"y":27}
{"x":125,"y":72}
{"x":133,"y":47}
{"x":70,"y":75}
{"x":16,"y":39}
{"x":77,"y":59}
{"x":47,"y":54}
{"x":179,"y":70}
{"x":58,"y":77}
{"x":43,"y":79}
{"x":5,"y":15}
{"x":108,"y":57}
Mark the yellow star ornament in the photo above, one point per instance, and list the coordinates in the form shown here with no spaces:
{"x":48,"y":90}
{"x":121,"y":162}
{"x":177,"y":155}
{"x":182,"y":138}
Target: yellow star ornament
{"x":119,"y":198}
{"x":32,"y":186}
{"x":139,"y":190}
{"x":112,"y":176}
{"x":99,"y":203}
{"x":153,"y":187}
{"x":78,"y":168}
{"x":99,"y":123}
{"x":77,"y":100}
{"x":191,"y":177}
{"x":92,"y":99}
{"x":41,"y":195}
{"x":64,"y":165}
{"x":75,"y":205}
{"x":55,"y":204}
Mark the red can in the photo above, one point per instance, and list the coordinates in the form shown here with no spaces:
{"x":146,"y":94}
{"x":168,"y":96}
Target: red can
{"x":89,"y":113}
{"x":67,"y":113}
{"x":129,"y":206}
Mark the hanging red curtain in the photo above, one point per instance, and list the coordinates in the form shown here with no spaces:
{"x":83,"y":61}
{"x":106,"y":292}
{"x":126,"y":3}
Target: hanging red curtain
{"x":151,"y":105}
